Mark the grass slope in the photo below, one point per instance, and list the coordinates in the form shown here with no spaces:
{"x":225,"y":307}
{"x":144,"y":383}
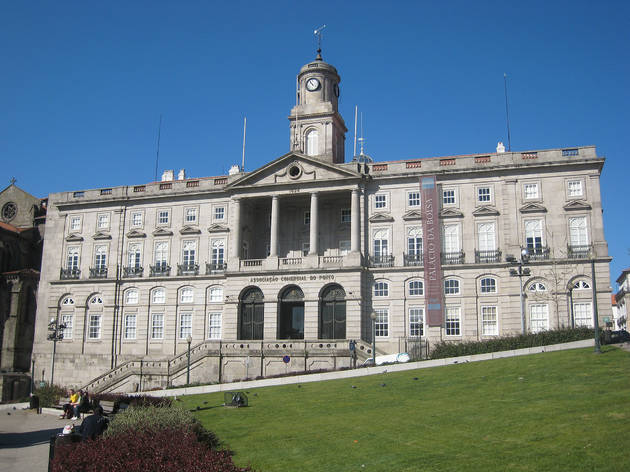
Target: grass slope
{"x":547,"y":412}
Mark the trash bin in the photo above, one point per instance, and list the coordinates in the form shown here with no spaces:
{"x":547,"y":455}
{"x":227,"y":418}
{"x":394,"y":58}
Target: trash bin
{"x":34,"y":403}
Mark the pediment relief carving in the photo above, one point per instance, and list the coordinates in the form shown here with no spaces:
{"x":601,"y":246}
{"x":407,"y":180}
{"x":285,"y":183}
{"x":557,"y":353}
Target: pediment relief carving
{"x":189,"y":230}
{"x":74,"y":238}
{"x":162,"y":232}
{"x":451,"y":213}
{"x":295,"y":171}
{"x":412,"y":215}
{"x":533,"y":208}
{"x":578,"y":205}
{"x":486,"y":211}
{"x":216,"y":228}
{"x":134,"y":233}
{"x":101,"y":235}
{"x":381,"y":218}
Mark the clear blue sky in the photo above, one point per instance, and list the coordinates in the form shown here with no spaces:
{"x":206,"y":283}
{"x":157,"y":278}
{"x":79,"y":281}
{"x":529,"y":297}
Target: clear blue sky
{"x":83,"y":84}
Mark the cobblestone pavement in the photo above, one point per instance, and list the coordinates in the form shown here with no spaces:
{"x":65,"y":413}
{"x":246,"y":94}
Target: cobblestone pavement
{"x":25,"y":438}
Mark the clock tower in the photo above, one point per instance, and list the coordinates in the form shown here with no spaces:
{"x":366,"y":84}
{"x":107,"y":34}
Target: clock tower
{"x":317,"y":128}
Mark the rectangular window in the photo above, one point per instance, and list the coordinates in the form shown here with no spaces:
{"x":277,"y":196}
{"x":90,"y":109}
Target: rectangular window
{"x":534,"y":234}
{"x":414,"y":241}
{"x":94,"y":327}
{"x":487,"y":236}
{"x":161,"y":253}
{"x":100,"y":257}
{"x":214,"y":326}
{"x":218,"y":253}
{"x":413,"y":199}
{"x":448,"y":197}
{"x":416,"y":321}
{"x":163,"y":217}
{"x":344,"y":247}
{"x":538,"y":317}
{"x":102,"y":221}
{"x":346,"y":215}
{"x":307,"y":217}
{"x":134,"y":255}
{"x":583,"y":314}
{"x":451,"y":238}
{"x":136,"y":219}
{"x":531,"y":191}
{"x":574,"y":188}
{"x":185,"y":325}
{"x":306,"y":247}
{"x":157,"y":326}
{"x":189,"y":252}
{"x":489,"y":323}
{"x":190,"y":216}
{"x":75,"y":223}
{"x":382,"y":322}
{"x":453,"y":321}
{"x":380,"y":201}
{"x":67,"y":320}
{"x":484,"y":195}
{"x":219,"y":213}
{"x":381,"y":243}
{"x":130,"y":326}
{"x":73,"y":258}
{"x":578,"y":232}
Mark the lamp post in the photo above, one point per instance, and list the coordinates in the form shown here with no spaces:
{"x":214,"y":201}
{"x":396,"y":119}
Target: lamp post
{"x":519,"y":272}
{"x":373,"y":318}
{"x":55,"y":333}
{"x":188,"y":340}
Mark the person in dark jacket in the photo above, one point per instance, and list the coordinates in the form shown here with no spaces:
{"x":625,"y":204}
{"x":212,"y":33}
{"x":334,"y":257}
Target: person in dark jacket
{"x":94,"y":425}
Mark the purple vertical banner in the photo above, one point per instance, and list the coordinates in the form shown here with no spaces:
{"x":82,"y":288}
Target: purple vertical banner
{"x":431,"y":247}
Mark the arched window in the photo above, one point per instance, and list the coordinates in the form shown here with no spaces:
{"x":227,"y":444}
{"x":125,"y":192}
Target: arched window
{"x":95,"y":317}
{"x":291,"y":314}
{"x":332,"y":320}
{"x":67,"y":301}
{"x":252,"y":314}
{"x":416,"y":287}
{"x":414,"y":245}
{"x":537,"y":287}
{"x":381,"y":289}
{"x":131,"y":296}
{"x":186,"y":295}
{"x":488,"y":285}
{"x":312,"y":142}
{"x":96,"y":300}
{"x":581,"y":285}
{"x":451,"y":287}
{"x":158,"y":295}
{"x":216,"y":294}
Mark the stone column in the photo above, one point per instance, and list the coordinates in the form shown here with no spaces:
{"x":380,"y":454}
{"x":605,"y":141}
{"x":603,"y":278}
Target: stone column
{"x":355,"y":229}
{"x":236,"y":248}
{"x":273,"y":240}
{"x":313,"y":249}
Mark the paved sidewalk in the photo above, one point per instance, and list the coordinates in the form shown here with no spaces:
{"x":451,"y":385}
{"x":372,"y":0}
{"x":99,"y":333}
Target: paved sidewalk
{"x":25,"y":439}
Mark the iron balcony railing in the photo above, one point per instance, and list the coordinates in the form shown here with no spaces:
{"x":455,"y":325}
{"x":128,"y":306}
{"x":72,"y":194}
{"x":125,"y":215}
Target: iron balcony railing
{"x":449,"y":258}
{"x":98,"y":272}
{"x":539,"y":253}
{"x":188,"y":269}
{"x":488,"y":256}
{"x":382,"y":261}
{"x":580,"y":251}
{"x":133,"y":271}
{"x":67,"y":274}
{"x":215,"y":267}
{"x":414,"y":259}
{"x":160,"y":270}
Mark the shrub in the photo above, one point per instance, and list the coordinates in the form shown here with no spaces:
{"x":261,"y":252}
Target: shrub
{"x":49,"y":395}
{"x":544,"y":338}
{"x":140,"y":400}
{"x":166,"y":450}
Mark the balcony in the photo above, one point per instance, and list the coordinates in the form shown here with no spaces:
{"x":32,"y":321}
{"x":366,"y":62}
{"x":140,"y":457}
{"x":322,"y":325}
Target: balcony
{"x":132,"y":271}
{"x":414,"y":259}
{"x":450,"y":258}
{"x":160,"y":270}
{"x":483,"y":257}
{"x":188,"y":269}
{"x":215,"y":267}
{"x":539,"y":253}
{"x":98,"y":272}
{"x":382,"y":261}
{"x":581,"y":251}
{"x":68,"y":274}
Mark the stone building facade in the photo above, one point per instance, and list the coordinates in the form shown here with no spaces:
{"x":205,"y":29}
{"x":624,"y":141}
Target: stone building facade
{"x":276,"y":270}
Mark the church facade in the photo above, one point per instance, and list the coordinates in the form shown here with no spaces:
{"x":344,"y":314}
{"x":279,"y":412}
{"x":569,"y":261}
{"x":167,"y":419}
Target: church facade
{"x":276,"y":270}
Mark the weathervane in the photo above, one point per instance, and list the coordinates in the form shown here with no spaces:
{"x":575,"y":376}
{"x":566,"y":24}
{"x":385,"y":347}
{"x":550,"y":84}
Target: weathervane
{"x":318,"y":33}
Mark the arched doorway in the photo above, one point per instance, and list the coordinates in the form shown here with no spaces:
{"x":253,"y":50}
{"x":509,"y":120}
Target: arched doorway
{"x":291,"y":313}
{"x":251,"y":314}
{"x":332,"y":318}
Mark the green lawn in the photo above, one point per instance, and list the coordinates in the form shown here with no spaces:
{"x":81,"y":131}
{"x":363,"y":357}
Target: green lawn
{"x":553,"y":411}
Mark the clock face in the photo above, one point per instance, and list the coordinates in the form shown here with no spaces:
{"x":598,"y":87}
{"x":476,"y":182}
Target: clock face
{"x":312,"y":84}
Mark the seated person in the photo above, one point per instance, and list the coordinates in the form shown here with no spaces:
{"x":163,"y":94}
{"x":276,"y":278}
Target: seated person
{"x":75,"y":405}
{"x":93,"y":425}
{"x":68,"y":408}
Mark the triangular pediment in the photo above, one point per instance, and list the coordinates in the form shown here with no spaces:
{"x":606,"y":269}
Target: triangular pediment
{"x":577,"y":205}
{"x":293,"y":168}
{"x":451,"y":213}
{"x":74,"y":238}
{"x":216,"y":228}
{"x":533,"y":208}
{"x":412,"y":215}
{"x":190,"y":230}
{"x":134,"y":233}
{"x":101,"y":235}
{"x":381,"y":218}
{"x":486,"y":211}
{"x":162,"y":232}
